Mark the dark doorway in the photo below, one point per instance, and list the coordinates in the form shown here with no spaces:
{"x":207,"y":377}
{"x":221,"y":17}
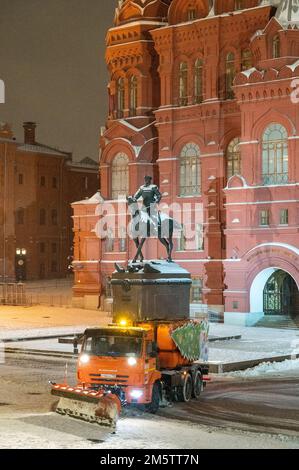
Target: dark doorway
{"x":281,"y":295}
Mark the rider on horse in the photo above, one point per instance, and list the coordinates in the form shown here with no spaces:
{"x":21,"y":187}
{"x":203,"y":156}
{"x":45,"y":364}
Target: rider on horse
{"x":150,"y":194}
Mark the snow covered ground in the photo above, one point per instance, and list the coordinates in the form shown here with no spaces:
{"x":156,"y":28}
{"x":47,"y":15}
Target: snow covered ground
{"x":50,"y":431}
{"x":255,"y":343}
{"x":278,"y":369}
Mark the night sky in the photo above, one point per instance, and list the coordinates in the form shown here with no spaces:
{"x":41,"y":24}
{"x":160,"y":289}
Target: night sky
{"x":52,"y":62}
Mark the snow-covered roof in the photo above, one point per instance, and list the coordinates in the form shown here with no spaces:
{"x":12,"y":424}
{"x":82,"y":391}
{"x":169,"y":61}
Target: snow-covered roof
{"x":95,"y":199}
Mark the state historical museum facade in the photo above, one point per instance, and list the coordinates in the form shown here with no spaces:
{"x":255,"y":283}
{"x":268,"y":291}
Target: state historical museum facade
{"x":201,"y":97}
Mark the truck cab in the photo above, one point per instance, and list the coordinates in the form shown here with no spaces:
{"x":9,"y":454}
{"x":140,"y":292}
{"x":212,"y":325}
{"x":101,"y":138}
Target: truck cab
{"x":121,"y":359}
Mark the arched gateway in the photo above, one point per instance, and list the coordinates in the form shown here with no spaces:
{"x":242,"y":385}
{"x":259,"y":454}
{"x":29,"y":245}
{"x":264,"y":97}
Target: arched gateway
{"x":274,"y":292}
{"x":281,"y":295}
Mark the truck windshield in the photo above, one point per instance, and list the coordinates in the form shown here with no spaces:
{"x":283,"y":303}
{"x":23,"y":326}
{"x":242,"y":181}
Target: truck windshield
{"x":113,"y":346}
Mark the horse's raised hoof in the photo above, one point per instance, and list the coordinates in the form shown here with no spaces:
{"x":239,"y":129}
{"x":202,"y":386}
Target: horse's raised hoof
{"x":170,"y":260}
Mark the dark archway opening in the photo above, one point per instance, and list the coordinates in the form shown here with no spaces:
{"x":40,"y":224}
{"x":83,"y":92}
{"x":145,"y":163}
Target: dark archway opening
{"x":281,"y":295}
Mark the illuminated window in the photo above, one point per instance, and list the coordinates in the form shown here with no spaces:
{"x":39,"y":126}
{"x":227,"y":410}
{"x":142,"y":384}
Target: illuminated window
{"x":276,"y":47}
{"x":123,"y":240}
{"x":246,"y":59}
{"x":120,"y":98}
{"x":109,"y":241}
{"x":199,"y":238}
{"x":133,"y":95}
{"x":190,"y":170}
{"x":230,"y":73}
{"x":183,"y":84}
{"x":275,"y":168}
{"x":182,"y":239}
{"x":264,"y":218}
{"x":233,"y":158}
{"x":198,"y":81}
{"x":192,"y":14}
{"x":120,"y":176}
{"x":196,"y":291}
{"x":284,"y":217}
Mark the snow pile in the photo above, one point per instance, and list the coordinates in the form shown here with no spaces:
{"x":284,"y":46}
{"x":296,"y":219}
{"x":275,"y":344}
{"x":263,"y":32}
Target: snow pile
{"x":269,"y":368}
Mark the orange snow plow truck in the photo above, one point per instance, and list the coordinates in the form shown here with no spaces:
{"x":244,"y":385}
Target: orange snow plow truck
{"x":147,"y":364}
{"x":153,"y":354}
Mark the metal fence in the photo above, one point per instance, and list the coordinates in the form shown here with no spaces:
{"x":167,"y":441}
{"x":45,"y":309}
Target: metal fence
{"x":13,"y":294}
{"x":50,"y":300}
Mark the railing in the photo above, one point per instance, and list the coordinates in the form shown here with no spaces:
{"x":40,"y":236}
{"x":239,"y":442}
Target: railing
{"x":13,"y":294}
{"x":49,"y":300}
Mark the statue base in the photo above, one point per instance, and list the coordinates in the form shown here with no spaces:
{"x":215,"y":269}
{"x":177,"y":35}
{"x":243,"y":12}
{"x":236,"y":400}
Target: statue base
{"x":149,"y":291}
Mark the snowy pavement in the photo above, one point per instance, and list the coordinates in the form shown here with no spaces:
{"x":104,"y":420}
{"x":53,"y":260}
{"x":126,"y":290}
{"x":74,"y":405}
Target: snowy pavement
{"x":50,"y":431}
{"x":30,"y":322}
{"x":26,"y":420}
{"x":255,"y":343}
{"x":42,"y":322}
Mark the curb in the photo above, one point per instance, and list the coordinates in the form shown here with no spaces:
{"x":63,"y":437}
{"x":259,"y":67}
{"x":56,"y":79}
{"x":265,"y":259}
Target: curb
{"x":37,"y":338}
{"x":36,"y":352}
{"x":214,"y":339}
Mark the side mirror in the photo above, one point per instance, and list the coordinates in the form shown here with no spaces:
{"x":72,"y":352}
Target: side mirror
{"x":152,"y":349}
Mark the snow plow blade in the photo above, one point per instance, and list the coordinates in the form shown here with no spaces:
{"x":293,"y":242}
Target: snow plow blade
{"x":100,"y":408}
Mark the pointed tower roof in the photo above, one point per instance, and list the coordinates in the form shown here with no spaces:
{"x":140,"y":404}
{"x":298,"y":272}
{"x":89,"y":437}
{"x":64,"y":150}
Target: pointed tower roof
{"x":136,"y":10}
{"x":288,"y":13}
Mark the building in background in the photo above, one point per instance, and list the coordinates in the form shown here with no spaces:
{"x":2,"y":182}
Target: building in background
{"x":200,"y":98}
{"x":37,"y":186}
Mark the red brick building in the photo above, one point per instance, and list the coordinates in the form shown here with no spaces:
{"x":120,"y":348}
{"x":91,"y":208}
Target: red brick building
{"x":201,"y":97}
{"x":38,"y":185}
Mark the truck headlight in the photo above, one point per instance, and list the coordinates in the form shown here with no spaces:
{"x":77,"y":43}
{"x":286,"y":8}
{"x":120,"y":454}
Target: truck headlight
{"x":136,"y":394}
{"x":84,"y":359}
{"x":132,"y":361}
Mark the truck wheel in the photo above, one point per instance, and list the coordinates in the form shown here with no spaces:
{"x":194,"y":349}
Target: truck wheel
{"x":197,"y":385}
{"x":185,"y":390}
{"x":154,"y":406}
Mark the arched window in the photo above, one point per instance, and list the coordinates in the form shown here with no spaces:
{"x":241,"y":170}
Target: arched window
{"x":133,"y":95}
{"x":183,"y":84}
{"x":233,"y":158}
{"x":276,"y":47}
{"x":120,"y":97}
{"x":192,"y":14}
{"x":230,"y":73}
{"x":190,"y":170}
{"x":246,"y":59}
{"x":120,"y":176}
{"x":275,"y":168}
{"x":198,"y":81}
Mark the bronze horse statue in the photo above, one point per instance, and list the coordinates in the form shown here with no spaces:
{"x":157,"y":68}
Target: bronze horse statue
{"x":153,"y":225}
